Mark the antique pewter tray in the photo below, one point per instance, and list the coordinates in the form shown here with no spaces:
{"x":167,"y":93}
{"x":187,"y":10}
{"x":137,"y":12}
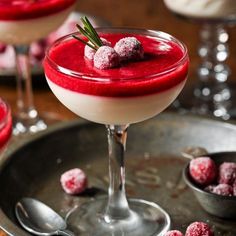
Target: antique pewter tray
{"x":154,"y":164}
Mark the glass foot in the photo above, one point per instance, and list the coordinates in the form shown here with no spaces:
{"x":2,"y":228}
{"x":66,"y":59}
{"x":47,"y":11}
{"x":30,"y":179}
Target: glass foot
{"x":219,"y":102}
{"x":21,"y":128}
{"x":24,"y":125}
{"x":146,"y":218}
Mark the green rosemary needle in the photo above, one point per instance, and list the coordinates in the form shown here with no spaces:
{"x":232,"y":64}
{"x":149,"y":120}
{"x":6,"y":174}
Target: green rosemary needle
{"x":90,"y":33}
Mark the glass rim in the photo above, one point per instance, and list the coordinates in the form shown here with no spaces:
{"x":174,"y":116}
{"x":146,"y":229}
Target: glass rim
{"x":151,"y":33}
{"x":4,"y":120}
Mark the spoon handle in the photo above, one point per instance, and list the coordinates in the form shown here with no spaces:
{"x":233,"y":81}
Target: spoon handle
{"x":65,"y":232}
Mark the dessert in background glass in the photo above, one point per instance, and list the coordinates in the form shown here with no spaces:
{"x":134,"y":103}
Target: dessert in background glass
{"x":38,"y":48}
{"x":5,"y":124}
{"x":21,"y":23}
{"x":117,"y":97}
{"x":212,"y":93}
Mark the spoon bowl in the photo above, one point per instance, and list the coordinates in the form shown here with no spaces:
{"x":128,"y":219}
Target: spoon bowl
{"x":38,"y":218}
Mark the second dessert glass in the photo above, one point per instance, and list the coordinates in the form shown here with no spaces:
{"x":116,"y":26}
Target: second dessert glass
{"x":212,"y":94}
{"x":5,"y":124}
{"x":116,"y":98}
{"x":21,"y":23}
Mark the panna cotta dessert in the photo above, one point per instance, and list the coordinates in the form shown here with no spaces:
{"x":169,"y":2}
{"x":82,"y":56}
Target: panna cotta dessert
{"x":5,"y":123}
{"x":125,"y":76}
{"x":25,"y":21}
{"x":203,"y":8}
{"x":129,"y":93}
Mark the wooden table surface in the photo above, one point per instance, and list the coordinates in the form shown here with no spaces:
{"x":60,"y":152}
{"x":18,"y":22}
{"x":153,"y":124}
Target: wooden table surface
{"x":150,"y":14}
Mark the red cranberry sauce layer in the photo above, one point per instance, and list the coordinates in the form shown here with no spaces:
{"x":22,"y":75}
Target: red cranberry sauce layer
{"x":130,"y":79}
{"x":5,"y":129}
{"x":3,"y":111}
{"x":11,"y":10}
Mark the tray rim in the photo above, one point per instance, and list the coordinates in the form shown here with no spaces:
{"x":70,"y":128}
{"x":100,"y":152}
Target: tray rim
{"x":12,"y":229}
{"x":6,"y":224}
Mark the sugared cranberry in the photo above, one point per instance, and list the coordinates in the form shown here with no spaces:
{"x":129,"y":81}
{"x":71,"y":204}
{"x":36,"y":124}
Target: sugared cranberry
{"x":174,"y":233}
{"x":37,"y":50}
{"x":199,"y":229}
{"x":223,"y":189}
{"x":203,"y":170}
{"x":2,"y":48}
{"x":74,"y":181}
{"x":234,"y":188}
{"x":227,"y":173}
{"x":90,"y":52}
{"x":129,"y":48}
{"x":106,"y":57}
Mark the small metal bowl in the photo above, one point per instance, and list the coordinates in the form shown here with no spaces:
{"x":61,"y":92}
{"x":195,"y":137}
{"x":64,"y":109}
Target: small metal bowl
{"x":217,"y":205}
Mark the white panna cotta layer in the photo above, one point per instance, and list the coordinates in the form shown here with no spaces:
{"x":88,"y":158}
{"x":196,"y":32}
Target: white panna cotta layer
{"x":24,"y":32}
{"x":115,"y":110}
{"x":203,"y":8}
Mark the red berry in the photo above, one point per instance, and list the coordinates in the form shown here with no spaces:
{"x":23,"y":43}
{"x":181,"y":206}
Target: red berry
{"x":203,"y":170}
{"x":129,"y":48}
{"x":106,"y":57}
{"x":90,"y":52}
{"x":234,"y":188}
{"x":74,"y":181}
{"x":223,"y":189}
{"x":199,"y":229}
{"x":227,"y":173}
{"x":2,"y":48}
{"x":174,"y":233}
{"x":37,"y":50}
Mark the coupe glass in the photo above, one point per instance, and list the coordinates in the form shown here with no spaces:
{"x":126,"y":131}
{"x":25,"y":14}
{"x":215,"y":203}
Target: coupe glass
{"x":5,"y":124}
{"x":20,"y":34}
{"x":117,"y":215}
{"x":212,"y":94}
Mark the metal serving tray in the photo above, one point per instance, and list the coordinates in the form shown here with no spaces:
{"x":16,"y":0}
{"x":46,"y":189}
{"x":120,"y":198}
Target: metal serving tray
{"x":154,"y":163}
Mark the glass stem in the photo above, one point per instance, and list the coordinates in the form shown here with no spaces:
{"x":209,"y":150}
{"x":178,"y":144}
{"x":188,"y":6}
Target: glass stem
{"x":117,"y":207}
{"x":213,"y":52}
{"x":213,"y":72}
{"x":25,"y":103}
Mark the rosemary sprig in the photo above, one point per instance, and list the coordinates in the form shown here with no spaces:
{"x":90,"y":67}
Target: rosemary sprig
{"x":87,"y":43}
{"x":90,"y":33}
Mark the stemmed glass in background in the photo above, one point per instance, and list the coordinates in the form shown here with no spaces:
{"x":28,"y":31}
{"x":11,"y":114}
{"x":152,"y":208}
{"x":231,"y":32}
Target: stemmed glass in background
{"x":212,"y":93}
{"x":117,"y":215}
{"x":5,"y":124}
{"x":31,"y":21}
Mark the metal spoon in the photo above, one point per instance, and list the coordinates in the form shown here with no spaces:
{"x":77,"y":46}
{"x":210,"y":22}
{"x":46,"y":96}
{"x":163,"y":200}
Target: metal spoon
{"x":39,"y":219}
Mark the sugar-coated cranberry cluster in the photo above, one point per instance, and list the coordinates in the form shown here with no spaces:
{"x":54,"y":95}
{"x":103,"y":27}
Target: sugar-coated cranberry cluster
{"x":126,"y":49}
{"x":220,"y":179}
{"x":194,"y":229}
